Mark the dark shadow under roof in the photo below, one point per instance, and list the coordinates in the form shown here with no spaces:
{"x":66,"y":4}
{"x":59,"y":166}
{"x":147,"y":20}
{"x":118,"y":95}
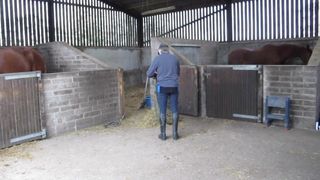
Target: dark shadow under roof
{"x":148,"y":7}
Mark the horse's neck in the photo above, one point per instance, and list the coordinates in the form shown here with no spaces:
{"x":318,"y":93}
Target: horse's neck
{"x":291,"y":51}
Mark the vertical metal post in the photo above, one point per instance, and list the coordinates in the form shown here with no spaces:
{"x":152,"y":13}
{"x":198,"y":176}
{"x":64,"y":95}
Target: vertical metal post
{"x":229,"y":21}
{"x":140,"y":31}
{"x":51,"y":21}
{"x":316,"y":9}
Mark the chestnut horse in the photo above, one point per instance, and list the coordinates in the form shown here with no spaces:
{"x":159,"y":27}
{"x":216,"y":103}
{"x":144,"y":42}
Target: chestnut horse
{"x":270,"y":54}
{"x":21,"y":59}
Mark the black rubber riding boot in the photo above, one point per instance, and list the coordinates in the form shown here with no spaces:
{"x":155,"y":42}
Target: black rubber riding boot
{"x":162,"y":134}
{"x":175,"y":118}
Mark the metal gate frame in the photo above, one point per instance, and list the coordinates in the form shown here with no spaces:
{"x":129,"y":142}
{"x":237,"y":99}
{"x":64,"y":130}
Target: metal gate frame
{"x":20,"y":108}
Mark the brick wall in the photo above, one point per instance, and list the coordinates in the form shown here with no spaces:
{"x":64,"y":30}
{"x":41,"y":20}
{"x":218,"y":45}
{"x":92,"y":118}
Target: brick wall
{"x":300,"y":84}
{"x":75,"y":100}
{"x":60,"y":57}
{"x":78,"y":91}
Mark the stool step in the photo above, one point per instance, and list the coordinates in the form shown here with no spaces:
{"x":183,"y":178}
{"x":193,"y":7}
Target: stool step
{"x":276,"y":116}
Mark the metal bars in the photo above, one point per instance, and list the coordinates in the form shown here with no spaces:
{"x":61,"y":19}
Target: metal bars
{"x":92,"y":23}
{"x":275,"y":19}
{"x":196,"y":24}
{"x":23,"y":22}
{"x":251,"y":20}
{"x":76,"y":22}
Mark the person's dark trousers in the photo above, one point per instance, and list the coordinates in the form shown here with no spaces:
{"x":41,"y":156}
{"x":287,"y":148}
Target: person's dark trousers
{"x":163,"y":95}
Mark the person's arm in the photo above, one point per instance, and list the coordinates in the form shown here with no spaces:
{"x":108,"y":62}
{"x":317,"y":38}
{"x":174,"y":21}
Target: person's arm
{"x":152,"y":69}
{"x":178,"y":68}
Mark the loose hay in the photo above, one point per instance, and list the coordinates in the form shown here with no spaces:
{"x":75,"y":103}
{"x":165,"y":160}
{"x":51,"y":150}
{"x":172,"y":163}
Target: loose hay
{"x":18,"y":151}
{"x":143,"y":118}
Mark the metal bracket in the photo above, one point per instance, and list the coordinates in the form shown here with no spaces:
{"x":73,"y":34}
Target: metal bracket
{"x":260,"y":120}
{"x":246,"y":67}
{"x":186,"y":45}
{"x":207,"y":75}
{"x":244,"y":116}
{"x":42,"y":134}
{"x":23,"y":75}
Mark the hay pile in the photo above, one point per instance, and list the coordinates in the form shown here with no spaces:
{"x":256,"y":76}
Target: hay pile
{"x":143,"y":118}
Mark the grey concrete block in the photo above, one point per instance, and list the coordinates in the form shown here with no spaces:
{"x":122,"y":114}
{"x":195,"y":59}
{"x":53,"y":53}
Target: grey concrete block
{"x":92,"y":114}
{"x":310,"y":103}
{"x":280,"y":84}
{"x":310,"y":85}
{"x":290,"y":68}
{"x":65,"y":127}
{"x":303,"y":123}
{"x":310,"y":114}
{"x":58,"y":103}
{"x":310,"y":79}
{"x":304,"y":97}
{"x":310,"y":91}
{"x":297,"y":85}
{"x":70,"y":107}
{"x":63,"y":92}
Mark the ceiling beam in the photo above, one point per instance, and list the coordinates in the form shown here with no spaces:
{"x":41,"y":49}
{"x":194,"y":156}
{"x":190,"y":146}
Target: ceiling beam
{"x":120,"y":7}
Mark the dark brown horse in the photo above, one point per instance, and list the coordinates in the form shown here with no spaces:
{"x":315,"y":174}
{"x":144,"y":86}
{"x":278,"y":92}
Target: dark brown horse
{"x":270,"y":54}
{"x":21,"y":59}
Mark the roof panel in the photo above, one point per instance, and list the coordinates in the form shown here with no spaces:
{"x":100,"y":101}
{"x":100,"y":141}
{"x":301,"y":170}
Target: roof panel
{"x":140,"y":6}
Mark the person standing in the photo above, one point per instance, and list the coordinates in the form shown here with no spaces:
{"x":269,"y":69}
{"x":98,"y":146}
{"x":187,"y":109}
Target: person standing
{"x":166,"y":67}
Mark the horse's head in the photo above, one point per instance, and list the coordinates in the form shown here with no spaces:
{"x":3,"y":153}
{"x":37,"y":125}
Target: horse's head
{"x":305,"y":56}
{"x":38,"y":61}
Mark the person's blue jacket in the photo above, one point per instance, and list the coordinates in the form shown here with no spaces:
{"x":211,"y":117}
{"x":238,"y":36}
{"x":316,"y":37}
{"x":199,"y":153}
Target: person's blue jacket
{"x":167,"y":67}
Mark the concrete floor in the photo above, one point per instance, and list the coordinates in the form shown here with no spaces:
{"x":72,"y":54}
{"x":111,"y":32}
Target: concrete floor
{"x":208,"y":149}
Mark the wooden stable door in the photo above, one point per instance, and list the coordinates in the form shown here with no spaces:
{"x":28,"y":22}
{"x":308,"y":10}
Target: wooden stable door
{"x":189,"y":91}
{"x":19,"y":108}
{"x":232,"y":92}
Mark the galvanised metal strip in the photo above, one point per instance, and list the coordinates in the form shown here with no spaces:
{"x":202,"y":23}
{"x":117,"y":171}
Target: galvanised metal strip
{"x":18,"y":140}
{"x":19,"y":27}
{"x":2,"y":43}
{"x":316,"y":19}
{"x":97,"y":22}
{"x":257,"y":18}
{"x":46,"y":29}
{"x":306,"y":18}
{"x":88,"y":25}
{"x":239,"y":4}
{"x":6,"y":2}
{"x":23,"y":75}
{"x":40,"y":22}
{"x":287,"y":26}
{"x":301,"y":18}
{"x":311,"y":19}
{"x":249,"y":22}
{"x":13,"y":39}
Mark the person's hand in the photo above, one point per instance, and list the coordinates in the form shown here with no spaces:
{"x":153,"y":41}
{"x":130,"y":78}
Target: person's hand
{"x":154,"y":76}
